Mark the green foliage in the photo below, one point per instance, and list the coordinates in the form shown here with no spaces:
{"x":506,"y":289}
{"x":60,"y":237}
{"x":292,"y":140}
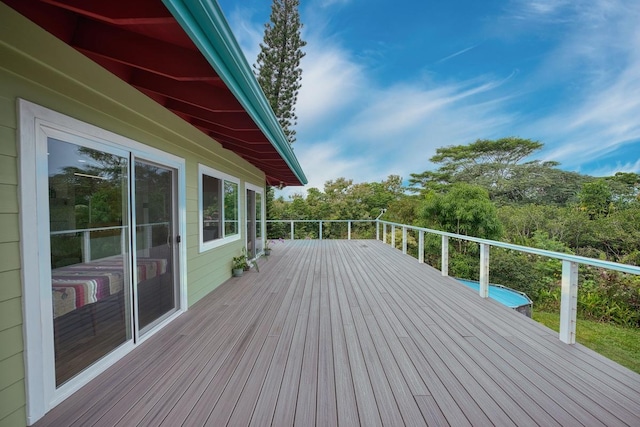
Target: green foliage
{"x":464,"y":209}
{"x":596,"y":198}
{"x":496,"y":165}
{"x":625,"y":189}
{"x":278,"y":63}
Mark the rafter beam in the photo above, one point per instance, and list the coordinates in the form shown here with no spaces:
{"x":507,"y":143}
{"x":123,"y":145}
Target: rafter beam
{"x":200,"y":94}
{"x":118,"y":12}
{"x":141,"y":52}
{"x":233,"y":120}
{"x":253,"y":137}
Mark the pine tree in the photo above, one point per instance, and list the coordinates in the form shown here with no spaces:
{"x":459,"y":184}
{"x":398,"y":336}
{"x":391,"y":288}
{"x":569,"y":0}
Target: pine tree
{"x":278,"y":63}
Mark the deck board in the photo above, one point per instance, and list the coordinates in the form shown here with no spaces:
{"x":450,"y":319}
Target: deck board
{"x":353,"y":333}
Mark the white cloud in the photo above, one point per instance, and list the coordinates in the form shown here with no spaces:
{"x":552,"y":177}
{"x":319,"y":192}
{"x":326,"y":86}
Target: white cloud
{"x":619,"y":167}
{"x":603,"y":63}
{"x":247,"y":33}
{"x":331,"y":81}
{"x":321,"y":162}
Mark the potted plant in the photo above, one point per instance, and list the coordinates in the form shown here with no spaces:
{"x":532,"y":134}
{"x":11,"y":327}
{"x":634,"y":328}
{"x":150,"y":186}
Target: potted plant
{"x":267,"y":246}
{"x":238,"y":264}
{"x":241,"y":263}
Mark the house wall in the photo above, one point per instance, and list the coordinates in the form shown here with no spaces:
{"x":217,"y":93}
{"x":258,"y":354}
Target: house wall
{"x":39,"y":68}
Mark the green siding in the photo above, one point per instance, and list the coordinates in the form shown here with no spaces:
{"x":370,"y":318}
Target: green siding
{"x":63,"y":80}
{"x":12,"y":400}
{"x":7,"y":141}
{"x":10,"y":285}
{"x":10,"y":224}
{"x":8,"y":199}
{"x":11,"y":340}
{"x":9,"y":254}
{"x":8,"y":170}
{"x":15,"y":368}
{"x":10,"y":316}
{"x":16,"y":418}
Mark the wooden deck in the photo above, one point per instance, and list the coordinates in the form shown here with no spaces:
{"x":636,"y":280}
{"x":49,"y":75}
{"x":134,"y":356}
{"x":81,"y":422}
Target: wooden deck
{"x":353,"y":333}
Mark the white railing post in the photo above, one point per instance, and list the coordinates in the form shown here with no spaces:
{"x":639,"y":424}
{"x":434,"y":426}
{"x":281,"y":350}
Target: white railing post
{"x":404,"y":240}
{"x":292,"y":236}
{"x":384,"y":233}
{"x":377,"y":230}
{"x":569,"y":302}
{"x":86,"y":246}
{"x":349,"y":230}
{"x":444,"y":263}
{"x":421,"y":246}
{"x":320,"y":231}
{"x":393,"y":236}
{"x":124,"y":237}
{"x":484,"y":270}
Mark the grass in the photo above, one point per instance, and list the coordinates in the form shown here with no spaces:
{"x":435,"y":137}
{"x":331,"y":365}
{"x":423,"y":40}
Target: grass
{"x":617,"y":343}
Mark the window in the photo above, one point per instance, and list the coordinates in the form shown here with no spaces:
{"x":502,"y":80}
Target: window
{"x":219,"y":208}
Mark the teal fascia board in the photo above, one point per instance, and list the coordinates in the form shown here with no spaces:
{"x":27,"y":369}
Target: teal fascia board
{"x":205,"y":24}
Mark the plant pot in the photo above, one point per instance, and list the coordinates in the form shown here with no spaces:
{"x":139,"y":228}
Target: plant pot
{"x":237,"y":272}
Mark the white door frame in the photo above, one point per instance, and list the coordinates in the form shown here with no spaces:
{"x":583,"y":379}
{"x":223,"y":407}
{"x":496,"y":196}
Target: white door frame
{"x":36,"y":124}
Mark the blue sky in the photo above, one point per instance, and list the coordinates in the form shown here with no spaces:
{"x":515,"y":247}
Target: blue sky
{"x":385,"y":83}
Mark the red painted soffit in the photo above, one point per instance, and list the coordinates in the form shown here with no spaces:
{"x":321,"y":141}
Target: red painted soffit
{"x":141,"y":43}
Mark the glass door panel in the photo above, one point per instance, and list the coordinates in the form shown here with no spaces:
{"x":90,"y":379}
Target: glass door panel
{"x":259,"y":235}
{"x":254,"y":223}
{"x":251,"y":224}
{"x":90,"y":260}
{"x":155,"y":215}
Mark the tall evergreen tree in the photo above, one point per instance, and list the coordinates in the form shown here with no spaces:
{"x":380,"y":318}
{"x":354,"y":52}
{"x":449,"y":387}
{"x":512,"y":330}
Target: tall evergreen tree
{"x":278,"y":63}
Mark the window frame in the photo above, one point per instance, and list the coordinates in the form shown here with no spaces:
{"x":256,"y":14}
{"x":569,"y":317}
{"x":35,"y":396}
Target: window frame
{"x":204,"y":170}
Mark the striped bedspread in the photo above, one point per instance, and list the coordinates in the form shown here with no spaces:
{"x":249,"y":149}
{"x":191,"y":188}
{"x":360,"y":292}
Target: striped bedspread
{"x":75,"y":286}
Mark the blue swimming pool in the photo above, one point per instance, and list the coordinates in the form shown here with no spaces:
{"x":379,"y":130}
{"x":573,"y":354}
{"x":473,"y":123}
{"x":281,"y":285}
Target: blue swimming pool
{"x":505,"y":296}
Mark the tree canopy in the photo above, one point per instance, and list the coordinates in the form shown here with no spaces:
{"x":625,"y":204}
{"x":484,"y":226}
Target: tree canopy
{"x":498,"y":166}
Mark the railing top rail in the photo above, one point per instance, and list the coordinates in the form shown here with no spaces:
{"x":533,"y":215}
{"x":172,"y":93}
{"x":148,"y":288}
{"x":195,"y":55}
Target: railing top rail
{"x":82,"y":230}
{"x":543,"y":252}
{"x":322,"y":220}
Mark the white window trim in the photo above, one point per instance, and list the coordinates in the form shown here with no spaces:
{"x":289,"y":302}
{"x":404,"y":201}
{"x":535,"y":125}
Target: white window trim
{"x":206,"y":246}
{"x":36,"y":123}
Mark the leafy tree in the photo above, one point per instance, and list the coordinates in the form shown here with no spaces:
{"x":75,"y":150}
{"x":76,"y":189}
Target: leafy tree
{"x":278,"y":63}
{"x":464,"y":209}
{"x":568,"y":225}
{"x":496,"y":165}
{"x":596,"y":198}
{"x":540,"y":183}
{"x":492,"y":160}
{"x":625,"y":189}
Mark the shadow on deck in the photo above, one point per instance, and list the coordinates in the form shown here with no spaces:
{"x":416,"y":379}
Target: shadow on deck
{"x":353,"y":333}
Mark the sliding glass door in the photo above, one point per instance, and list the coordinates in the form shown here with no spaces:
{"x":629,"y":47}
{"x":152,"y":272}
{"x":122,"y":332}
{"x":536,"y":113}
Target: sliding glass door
{"x":254,"y":225}
{"x":155,"y":242}
{"x":102,"y":291}
{"x":90,"y":259}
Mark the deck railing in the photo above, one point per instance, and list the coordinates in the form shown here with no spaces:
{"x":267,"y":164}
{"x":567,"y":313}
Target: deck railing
{"x":570,"y":263}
